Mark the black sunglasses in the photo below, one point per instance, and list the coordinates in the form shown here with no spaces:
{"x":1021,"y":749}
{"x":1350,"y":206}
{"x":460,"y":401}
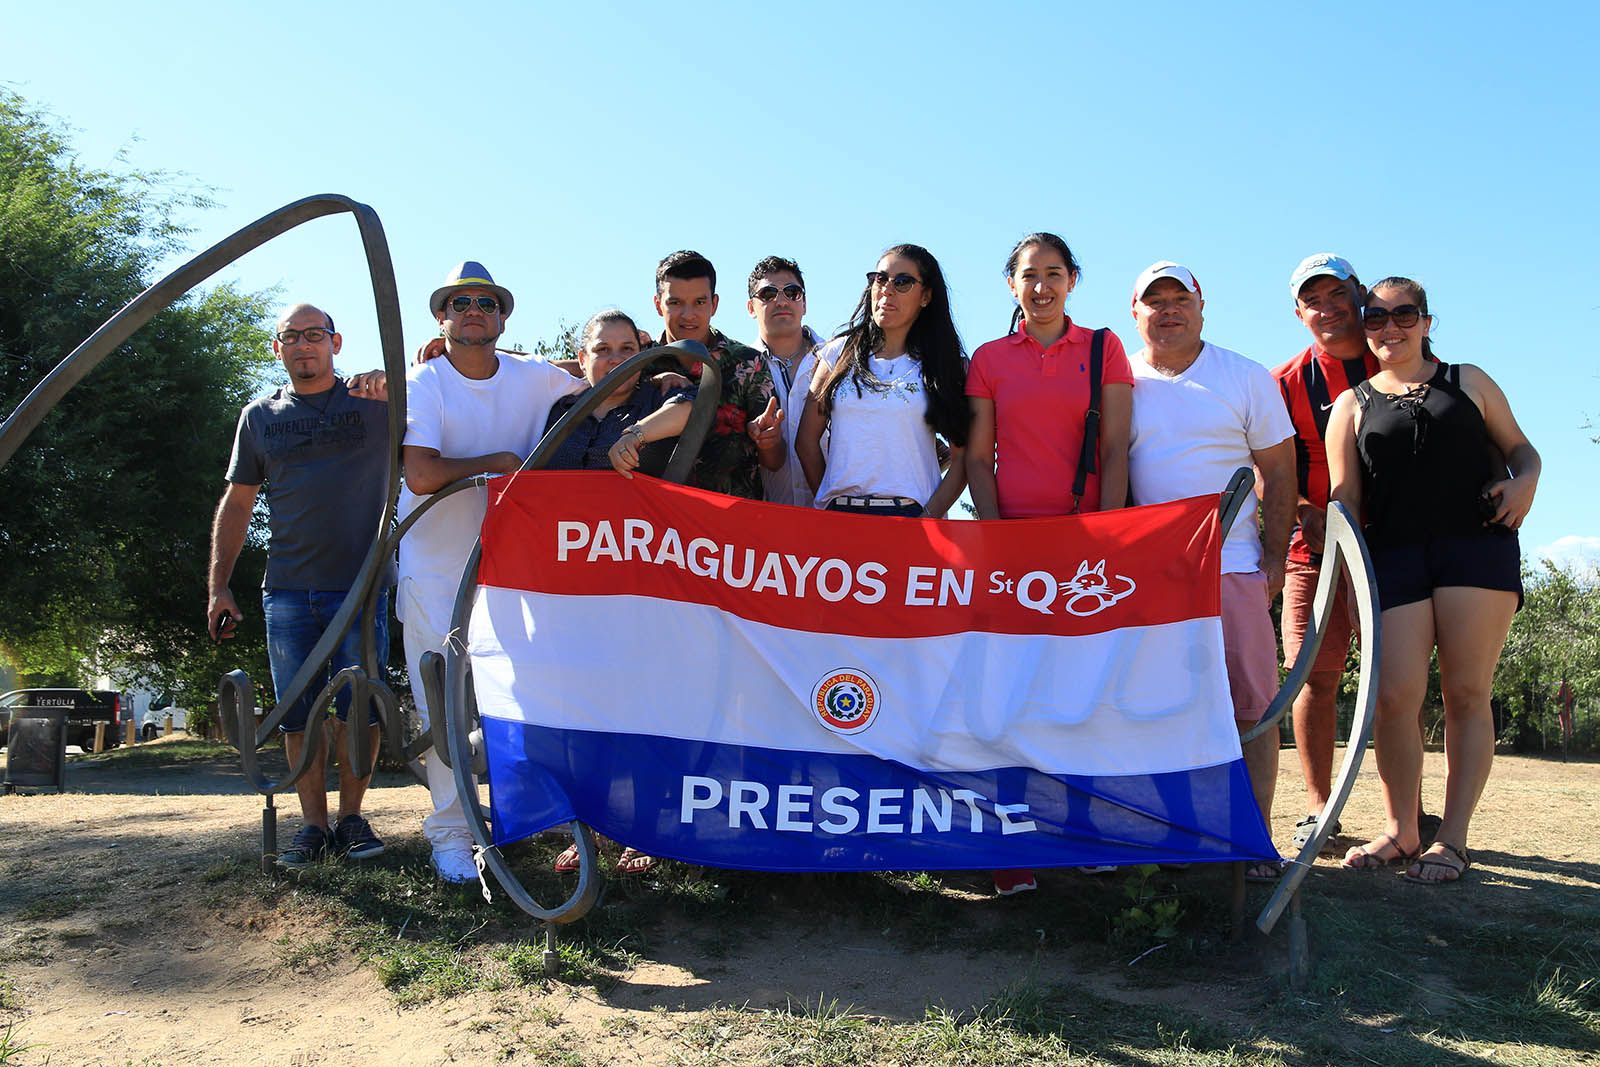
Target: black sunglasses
{"x":316,"y":335}
{"x":768,"y":293}
{"x":1404,"y":316}
{"x":486,"y":304}
{"x":902,"y":283}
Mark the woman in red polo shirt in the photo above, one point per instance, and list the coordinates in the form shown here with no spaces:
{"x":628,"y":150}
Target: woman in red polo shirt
{"x":1030,"y":393}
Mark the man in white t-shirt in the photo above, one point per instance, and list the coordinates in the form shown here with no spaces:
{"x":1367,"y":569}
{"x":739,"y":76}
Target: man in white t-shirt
{"x":472,"y":412}
{"x":1201,"y":412}
{"x":778,"y":304}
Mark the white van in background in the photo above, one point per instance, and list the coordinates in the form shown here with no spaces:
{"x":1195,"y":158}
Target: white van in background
{"x":153,"y":720}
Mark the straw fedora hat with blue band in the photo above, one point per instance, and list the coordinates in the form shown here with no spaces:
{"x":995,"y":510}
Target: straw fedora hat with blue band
{"x":470,"y":275}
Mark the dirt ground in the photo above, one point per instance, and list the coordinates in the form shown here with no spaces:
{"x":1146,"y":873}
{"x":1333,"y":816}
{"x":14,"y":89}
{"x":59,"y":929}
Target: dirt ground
{"x":111,"y":962}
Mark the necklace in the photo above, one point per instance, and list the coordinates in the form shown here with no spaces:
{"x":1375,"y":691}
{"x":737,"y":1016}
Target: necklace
{"x":322,"y":408}
{"x":900,"y":374}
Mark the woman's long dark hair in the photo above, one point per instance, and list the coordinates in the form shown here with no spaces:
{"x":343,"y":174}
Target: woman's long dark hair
{"x":932,"y":338}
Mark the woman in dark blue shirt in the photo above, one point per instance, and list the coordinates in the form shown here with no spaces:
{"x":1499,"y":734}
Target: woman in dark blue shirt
{"x":635,"y":427}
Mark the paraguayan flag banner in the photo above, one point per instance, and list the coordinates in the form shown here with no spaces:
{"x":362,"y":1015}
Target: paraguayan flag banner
{"x":747,"y":685}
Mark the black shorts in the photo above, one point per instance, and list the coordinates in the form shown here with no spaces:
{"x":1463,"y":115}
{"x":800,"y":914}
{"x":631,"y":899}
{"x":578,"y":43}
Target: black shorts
{"x":1410,"y":573}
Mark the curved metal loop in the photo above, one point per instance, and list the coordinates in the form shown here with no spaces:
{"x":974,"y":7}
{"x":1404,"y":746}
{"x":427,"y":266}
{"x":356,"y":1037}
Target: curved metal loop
{"x":689,"y":441}
{"x":234,"y":696}
{"x":1239,"y":490}
{"x":1344,"y":550}
{"x":236,"y":707}
{"x":458,"y":705}
{"x":432,"y":667}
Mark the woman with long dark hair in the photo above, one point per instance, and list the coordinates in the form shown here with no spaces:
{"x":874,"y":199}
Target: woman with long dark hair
{"x":884,"y":391}
{"x":1420,"y":451}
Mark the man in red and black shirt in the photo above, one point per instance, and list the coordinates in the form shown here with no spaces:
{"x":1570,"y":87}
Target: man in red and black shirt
{"x":1327,"y":300}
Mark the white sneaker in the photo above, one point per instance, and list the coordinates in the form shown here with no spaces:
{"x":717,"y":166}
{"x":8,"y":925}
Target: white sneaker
{"x":454,"y":864}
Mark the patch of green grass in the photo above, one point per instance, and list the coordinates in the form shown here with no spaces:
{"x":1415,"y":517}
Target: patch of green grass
{"x":172,"y":753}
{"x":47,"y":908}
{"x":10,"y":999}
{"x":302,"y":954}
{"x":1024,"y":1024}
{"x":228,"y":870}
{"x":417,"y":973}
{"x":11,"y":1048}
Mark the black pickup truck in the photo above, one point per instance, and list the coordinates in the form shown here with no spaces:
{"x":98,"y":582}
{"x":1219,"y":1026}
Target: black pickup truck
{"x":85,"y":707}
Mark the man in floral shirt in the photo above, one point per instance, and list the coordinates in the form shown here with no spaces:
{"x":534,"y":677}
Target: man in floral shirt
{"x":745,"y":435}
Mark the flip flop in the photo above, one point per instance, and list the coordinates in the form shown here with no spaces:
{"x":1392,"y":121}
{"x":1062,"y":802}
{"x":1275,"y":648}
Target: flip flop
{"x":633,"y":861}
{"x":567,"y":862}
{"x":1441,"y":861}
{"x":1366,"y":858}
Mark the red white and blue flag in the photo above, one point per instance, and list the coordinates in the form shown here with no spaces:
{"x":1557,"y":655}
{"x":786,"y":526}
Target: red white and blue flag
{"x":747,"y":685}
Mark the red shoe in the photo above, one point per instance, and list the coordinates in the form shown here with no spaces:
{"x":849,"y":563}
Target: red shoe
{"x":1010,"y":883}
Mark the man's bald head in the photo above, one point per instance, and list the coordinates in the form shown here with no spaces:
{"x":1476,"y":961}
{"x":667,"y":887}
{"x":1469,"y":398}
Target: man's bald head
{"x":299,"y":309}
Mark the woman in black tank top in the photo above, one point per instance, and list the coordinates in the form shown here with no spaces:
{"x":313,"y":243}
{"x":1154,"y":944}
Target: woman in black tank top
{"x":1416,"y":452}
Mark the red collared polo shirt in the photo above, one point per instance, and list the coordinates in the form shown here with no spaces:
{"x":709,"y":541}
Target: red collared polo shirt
{"x":1040,"y":397}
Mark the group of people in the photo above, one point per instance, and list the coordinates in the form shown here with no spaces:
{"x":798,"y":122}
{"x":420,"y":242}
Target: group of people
{"x":890,"y":418}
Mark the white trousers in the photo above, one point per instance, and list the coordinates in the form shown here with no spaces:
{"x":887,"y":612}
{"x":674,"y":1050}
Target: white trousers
{"x":446,"y":828}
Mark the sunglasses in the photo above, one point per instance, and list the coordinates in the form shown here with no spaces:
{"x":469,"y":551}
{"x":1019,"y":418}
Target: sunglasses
{"x":768,"y":293}
{"x":1404,"y":316}
{"x":316,"y":335}
{"x":486,"y":304}
{"x":901,"y":283}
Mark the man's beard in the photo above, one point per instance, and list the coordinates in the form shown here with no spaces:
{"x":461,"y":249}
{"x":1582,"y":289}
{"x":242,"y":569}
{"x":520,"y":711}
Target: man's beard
{"x":453,"y":334}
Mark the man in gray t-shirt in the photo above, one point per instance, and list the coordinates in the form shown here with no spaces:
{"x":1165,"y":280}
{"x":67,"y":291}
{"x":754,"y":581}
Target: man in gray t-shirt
{"x":321,"y":448}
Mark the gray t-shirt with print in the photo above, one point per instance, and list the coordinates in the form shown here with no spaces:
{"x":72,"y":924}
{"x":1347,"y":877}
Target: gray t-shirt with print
{"x":324,"y":461}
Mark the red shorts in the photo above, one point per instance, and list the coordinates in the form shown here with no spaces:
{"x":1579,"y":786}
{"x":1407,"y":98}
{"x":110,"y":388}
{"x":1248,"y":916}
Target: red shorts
{"x":1299,"y":590}
{"x":1249,"y":646}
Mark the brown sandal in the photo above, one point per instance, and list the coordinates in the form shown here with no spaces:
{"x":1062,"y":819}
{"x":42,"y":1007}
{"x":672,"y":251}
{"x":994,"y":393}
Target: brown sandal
{"x":1440,"y":861}
{"x":1367,"y":859}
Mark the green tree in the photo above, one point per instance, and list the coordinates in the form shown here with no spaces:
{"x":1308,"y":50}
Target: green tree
{"x":1555,"y":636}
{"x":106,"y":508}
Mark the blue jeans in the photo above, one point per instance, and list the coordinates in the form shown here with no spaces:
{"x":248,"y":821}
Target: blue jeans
{"x":296,"y":621}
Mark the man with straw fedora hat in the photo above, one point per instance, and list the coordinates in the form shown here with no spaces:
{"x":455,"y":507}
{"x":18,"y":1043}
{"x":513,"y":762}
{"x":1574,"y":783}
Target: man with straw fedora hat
{"x":471,"y":412}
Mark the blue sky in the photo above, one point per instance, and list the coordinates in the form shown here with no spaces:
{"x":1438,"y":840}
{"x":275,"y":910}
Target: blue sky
{"x":568,"y":147}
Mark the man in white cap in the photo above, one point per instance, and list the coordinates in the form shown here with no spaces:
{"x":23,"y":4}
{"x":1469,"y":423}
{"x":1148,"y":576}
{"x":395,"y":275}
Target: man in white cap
{"x":1200,"y":413}
{"x":469,"y":413}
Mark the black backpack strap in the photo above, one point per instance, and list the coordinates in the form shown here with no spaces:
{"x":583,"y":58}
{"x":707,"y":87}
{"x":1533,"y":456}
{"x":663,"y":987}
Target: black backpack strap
{"x":1089,"y":454}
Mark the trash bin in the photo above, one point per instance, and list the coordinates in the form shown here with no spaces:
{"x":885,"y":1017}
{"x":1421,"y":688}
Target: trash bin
{"x":36,"y":754}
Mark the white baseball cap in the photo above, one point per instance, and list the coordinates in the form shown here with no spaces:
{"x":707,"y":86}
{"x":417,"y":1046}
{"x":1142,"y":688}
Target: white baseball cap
{"x":1164,"y":269}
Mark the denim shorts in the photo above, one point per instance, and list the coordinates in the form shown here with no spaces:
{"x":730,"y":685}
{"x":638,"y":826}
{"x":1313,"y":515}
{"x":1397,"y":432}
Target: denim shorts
{"x":296,"y":620}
